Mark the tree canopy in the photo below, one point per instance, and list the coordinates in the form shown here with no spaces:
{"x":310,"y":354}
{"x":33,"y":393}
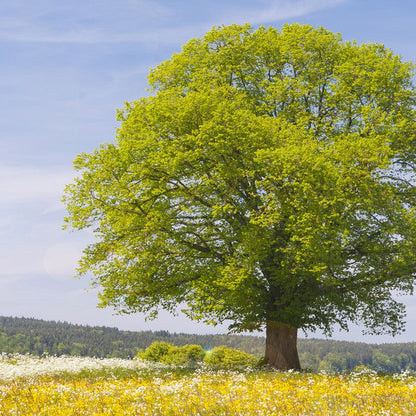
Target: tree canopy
{"x":268,"y":178}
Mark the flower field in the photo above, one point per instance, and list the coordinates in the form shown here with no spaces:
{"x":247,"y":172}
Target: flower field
{"x":86,"y":386}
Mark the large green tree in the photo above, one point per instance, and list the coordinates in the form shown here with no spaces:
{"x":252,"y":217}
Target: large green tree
{"x":268,"y":180}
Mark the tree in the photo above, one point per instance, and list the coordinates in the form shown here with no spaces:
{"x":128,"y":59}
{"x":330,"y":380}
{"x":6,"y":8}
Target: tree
{"x":268,"y":180}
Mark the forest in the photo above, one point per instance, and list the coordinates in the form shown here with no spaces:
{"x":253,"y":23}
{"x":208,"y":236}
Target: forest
{"x":38,"y":337}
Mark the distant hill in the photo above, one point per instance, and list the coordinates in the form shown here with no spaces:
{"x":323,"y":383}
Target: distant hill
{"x":34,"y":336}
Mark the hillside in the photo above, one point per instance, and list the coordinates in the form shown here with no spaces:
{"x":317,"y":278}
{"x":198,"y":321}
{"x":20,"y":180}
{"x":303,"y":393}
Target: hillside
{"x":28,"y":335}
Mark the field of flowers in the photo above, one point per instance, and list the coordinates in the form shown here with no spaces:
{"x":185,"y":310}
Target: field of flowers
{"x":86,"y":386}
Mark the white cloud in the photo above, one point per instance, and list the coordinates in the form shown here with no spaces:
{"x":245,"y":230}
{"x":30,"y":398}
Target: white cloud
{"x":88,"y":36}
{"x":42,"y":249}
{"x":33,"y":242}
{"x":21,"y":260}
{"x":60,"y":260}
{"x":88,"y":22}
{"x":145,"y":22}
{"x":23,"y":184}
{"x":6,"y":221}
{"x":284,"y":9}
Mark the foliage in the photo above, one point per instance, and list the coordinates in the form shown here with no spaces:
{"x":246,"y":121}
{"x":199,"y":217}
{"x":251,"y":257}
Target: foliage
{"x":43,"y":387}
{"x":187,"y":355}
{"x":156,"y":352}
{"x":229,"y":359}
{"x":269,"y":178}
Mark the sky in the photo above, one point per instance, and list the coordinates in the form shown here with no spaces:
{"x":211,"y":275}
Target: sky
{"x":66,"y":67}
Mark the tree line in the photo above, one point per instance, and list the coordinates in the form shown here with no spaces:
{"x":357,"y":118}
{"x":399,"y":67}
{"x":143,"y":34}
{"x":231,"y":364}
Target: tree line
{"x":34,"y":336}
{"x":330,"y":355}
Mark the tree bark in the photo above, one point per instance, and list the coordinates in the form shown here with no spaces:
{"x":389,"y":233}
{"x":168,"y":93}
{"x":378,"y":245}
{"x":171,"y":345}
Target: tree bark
{"x":281,"y":346}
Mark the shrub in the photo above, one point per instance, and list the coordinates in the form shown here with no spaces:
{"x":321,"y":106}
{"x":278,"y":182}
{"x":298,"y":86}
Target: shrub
{"x":229,"y":358}
{"x":156,"y":351}
{"x":170,"y":354}
{"x":187,"y":355}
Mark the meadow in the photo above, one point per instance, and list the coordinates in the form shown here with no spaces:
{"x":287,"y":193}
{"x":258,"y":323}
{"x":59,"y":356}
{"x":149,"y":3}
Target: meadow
{"x":88,"y":386}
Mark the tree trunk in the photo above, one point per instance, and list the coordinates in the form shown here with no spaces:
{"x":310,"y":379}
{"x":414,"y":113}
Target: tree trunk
{"x":281,"y":346}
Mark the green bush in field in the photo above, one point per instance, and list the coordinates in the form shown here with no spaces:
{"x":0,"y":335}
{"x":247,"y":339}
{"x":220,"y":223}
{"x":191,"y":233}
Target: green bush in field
{"x":156,"y":351}
{"x":167,"y":353}
{"x":186,"y":355}
{"x":229,"y":358}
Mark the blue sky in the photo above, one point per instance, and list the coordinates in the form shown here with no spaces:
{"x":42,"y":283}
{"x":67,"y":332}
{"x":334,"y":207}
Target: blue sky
{"x":65,"y":69}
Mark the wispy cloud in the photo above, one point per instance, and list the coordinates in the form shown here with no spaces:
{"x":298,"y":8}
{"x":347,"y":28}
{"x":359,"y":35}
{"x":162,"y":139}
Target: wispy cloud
{"x":274,"y":11}
{"x":93,"y":35}
{"x":287,"y":9}
{"x":31,"y":240}
{"x":145,"y":22}
{"x":42,"y":249}
{"x":92,"y":22}
{"x":29,"y":184}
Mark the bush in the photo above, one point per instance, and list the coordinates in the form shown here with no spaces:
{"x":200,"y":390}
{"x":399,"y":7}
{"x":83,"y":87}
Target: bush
{"x":187,"y":355}
{"x":156,"y":351}
{"x":170,"y":354}
{"x":230,"y":358}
